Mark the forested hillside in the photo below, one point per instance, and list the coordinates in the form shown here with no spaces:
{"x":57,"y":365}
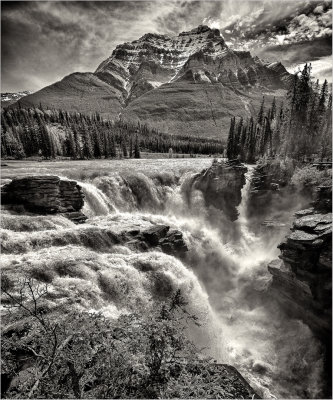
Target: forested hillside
{"x":29,"y":132}
{"x":301,"y":128}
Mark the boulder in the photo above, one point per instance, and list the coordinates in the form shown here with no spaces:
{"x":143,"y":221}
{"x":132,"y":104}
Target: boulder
{"x":170,"y":241}
{"x":155,"y":234}
{"x":173,"y":243}
{"x":221,"y":186}
{"x":45,"y":194}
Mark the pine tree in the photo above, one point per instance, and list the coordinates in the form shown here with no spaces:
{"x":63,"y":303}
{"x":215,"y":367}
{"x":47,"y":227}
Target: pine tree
{"x":131,"y":147}
{"x":251,"y":143}
{"x":230,"y":144}
{"x":272,"y":112}
{"x":113,"y":150}
{"x":137,"y":148}
{"x":323,"y":98}
{"x":87,"y":147}
{"x":260,"y":118}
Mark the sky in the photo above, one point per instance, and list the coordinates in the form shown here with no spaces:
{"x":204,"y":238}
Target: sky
{"x":43,"y":41}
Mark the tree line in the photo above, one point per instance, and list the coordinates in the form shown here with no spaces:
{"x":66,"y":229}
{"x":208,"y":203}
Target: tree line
{"x":29,"y":132}
{"x":301,"y":129}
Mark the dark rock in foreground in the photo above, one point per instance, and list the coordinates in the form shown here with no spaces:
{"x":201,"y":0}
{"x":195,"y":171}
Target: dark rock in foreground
{"x":45,"y":194}
{"x":221,"y":186}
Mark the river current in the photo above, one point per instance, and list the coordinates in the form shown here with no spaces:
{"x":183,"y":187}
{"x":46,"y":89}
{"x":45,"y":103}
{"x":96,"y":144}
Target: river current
{"x":223,"y":276}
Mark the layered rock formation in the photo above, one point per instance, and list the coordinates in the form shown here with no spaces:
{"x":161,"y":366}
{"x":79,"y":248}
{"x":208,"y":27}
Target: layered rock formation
{"x":302,"y":278}
{"x":46,"y":194}
{"x":190,"y":83}
{"x":221,"y":186}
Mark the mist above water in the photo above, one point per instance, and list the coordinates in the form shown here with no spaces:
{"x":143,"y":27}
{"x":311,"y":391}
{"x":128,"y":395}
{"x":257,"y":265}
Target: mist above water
{"x":224,"y":275}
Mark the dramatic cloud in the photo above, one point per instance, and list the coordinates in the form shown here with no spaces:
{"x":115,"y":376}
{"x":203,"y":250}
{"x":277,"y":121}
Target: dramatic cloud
{"x":43,"y":41}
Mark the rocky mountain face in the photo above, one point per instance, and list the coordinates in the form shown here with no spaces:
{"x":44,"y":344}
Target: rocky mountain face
{"x":200,"y":55}
{"x":189,"y":84}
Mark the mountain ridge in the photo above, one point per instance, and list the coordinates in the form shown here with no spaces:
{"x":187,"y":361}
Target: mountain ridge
{"x":190,"y":83}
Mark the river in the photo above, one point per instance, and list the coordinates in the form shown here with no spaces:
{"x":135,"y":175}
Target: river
{"x":225,"y":280}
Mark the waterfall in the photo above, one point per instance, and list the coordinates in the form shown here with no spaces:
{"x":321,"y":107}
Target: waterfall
{"x":247,"y":237}
{"x":226,"y":289}
{"x":95,"y":202}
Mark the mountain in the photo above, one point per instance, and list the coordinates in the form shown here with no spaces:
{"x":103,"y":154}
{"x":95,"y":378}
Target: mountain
{"x":187,"y":84}
{"x":10,"y":98}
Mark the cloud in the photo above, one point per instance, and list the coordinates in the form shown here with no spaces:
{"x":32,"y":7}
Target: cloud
{"x":42,"y":41}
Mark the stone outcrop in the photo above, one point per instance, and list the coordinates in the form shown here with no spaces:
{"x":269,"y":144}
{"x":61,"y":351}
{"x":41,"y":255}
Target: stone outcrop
{"x":170,"y":241}
{"x":45,"y":194}
{"x":302,"y":278}
{"x":221,"y":186}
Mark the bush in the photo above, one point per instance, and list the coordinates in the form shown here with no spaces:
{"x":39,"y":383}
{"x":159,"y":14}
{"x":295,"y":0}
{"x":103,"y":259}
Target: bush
{"x":308,"y":178}
{"x":84,"y":355}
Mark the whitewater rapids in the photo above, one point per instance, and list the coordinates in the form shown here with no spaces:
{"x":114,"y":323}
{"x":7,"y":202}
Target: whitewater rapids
{"x":225,"y":281}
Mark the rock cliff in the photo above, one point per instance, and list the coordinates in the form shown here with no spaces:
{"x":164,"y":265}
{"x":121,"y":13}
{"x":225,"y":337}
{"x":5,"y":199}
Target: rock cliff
{"x":302,"y":278}
{"x":45,"y":194}
{"x":221,"y":186}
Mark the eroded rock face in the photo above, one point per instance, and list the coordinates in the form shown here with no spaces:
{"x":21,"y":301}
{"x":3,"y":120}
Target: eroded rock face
{"x":302,"y":278}
{"x":170,"y":241}
{"x":221,"y":186}
{"x":46,"y":194}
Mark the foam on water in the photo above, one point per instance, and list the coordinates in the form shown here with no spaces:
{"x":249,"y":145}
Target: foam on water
{"x":224,"y":280}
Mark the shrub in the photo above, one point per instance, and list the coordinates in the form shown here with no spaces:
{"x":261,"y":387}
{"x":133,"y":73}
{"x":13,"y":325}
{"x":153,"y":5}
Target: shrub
{"x":308,"y":178}
{"x":84,"y":355}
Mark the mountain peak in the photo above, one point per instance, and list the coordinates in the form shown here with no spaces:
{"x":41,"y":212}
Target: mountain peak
{"x":201,"y":29}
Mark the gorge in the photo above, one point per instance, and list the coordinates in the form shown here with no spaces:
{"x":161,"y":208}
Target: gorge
{"x":185,"y":224}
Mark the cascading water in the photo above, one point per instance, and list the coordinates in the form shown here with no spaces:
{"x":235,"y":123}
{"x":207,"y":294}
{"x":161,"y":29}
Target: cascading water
{"x":224,"y":283}
{"x":96,"y":202}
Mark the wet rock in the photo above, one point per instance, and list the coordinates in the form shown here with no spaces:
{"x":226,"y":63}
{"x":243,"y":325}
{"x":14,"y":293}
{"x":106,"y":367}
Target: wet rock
{"x":221,"y":186}
{"x":45,"y":194}
{"x":302,"y":278}
{"x":75,"y":216}
{"x":174,"y":243}
{"x":155,"y":234}
{"x":170,"y":241}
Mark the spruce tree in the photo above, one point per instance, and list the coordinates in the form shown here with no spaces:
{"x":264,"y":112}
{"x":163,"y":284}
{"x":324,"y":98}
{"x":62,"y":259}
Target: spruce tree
{"x":137,"y":148}
{"x":230,"y":144}
{"x":260,"y":117}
